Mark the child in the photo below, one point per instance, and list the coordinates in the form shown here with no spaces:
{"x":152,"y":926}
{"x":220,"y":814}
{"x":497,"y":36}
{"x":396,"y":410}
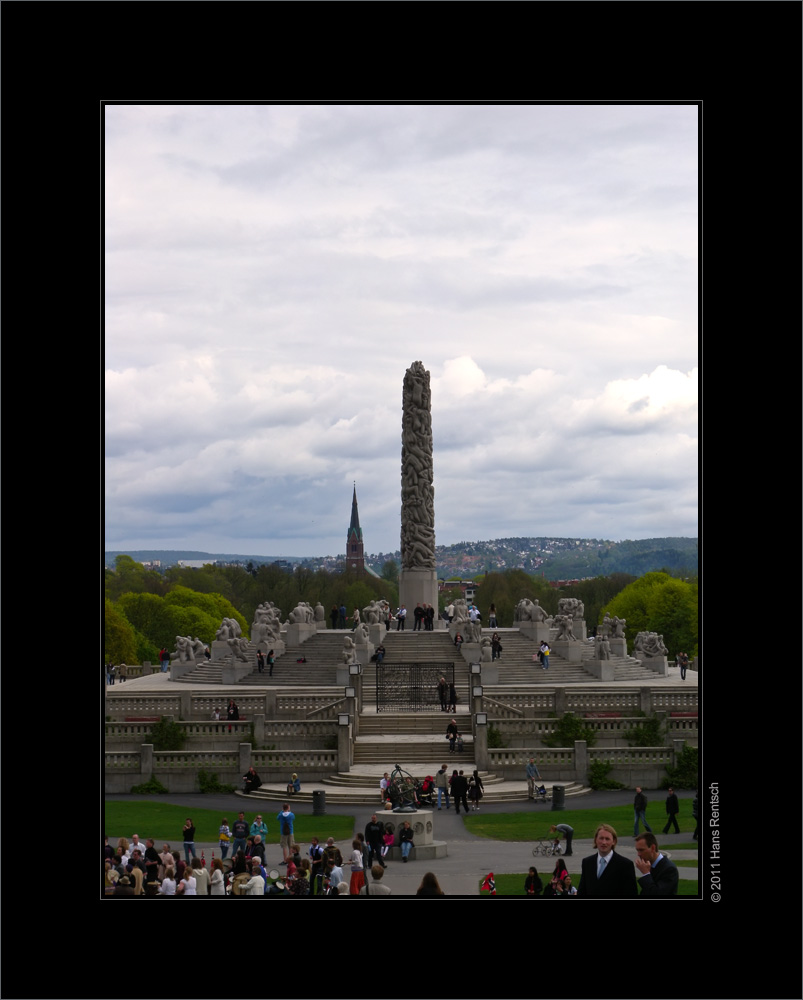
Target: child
{"x":387,"y":843}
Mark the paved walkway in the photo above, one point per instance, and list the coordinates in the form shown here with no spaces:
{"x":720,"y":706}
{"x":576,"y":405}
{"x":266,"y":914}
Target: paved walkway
{"x":469,"y":858}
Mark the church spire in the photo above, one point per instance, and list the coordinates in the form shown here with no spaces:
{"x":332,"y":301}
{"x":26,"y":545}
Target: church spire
{"x":355,"y":556}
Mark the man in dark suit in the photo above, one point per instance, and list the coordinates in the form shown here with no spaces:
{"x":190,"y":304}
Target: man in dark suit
{"x":672,"y":810}
{"x":606,"y":874}
{"x":659,"y":875}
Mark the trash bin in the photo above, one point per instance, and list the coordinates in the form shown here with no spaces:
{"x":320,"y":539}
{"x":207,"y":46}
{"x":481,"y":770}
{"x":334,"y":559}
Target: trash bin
{"x":558,"y":797}
{"x":319,"y":803}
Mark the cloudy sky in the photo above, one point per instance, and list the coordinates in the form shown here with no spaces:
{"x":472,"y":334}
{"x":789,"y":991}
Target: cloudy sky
{"x":271,"y":271}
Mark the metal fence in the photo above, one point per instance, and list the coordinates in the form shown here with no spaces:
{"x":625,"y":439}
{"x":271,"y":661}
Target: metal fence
{"x":409,"y":687}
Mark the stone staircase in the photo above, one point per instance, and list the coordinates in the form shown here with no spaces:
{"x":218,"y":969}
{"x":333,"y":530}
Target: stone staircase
{"x":323,"y":653}
{"x":361,"y":787}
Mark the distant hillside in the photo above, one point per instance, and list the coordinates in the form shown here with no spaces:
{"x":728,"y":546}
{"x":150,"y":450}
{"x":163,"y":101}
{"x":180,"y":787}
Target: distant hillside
{"x":552,"y":558}
{"x":562,"y":558}
{"x":170,"y":557}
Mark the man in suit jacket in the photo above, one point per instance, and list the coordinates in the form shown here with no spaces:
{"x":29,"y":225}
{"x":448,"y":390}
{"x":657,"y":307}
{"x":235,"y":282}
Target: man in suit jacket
{"x":672,"y":810}
{"x":659,"y":875}
{"x":606,"y":874}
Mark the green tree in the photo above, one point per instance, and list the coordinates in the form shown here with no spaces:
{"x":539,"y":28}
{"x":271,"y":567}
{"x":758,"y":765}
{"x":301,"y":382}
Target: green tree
{"x":659,"y":603}
{"x":119,"y":639}
{"x":390,"y":571}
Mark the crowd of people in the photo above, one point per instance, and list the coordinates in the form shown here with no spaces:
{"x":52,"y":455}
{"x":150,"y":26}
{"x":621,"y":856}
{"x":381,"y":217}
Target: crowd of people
{"x":137,"y":868}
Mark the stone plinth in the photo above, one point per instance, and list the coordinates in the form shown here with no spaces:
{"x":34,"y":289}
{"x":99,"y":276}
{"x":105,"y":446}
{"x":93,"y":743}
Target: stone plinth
{"x":618,"y":647}
{"x":603,"y":670}
{"x":472,"y":652}
{"x":571,"y":651}
{"x":422,"y":821}
{"x":537,"y":631}
{"x":219,"y":649}
{"x":579,"y":628}
{"x":364,"y":653}
{"x":490,"y":673}
{"x":417,"y":586}
{"x":657,"y":663}
{"x":297,"y":634}
{"x":377,"y":633}
{"x":180,"y":669}
{"x":233,"y":672}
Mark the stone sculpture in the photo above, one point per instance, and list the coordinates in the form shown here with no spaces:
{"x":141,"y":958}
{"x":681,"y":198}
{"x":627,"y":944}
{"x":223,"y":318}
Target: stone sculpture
{"x":649,"y":644}
{"x":529,"y":611}
{"x":377,"y":612}
{"x":571,"y":606}
{"x":349,"y":653}
{"x":563,"y":623}
{"x":602,"y":648}
{"x":229,"y":629}
{"x":302,"y":614}
{"x":320,"y":614}
{"x":360,"y":634}
{"x":198,"y":649}
{"x":183,"y":651}
{"x":418,"y":491}
{"x":239,"y":648}
{"x":486,"y":653}
{"x":460,"y":612}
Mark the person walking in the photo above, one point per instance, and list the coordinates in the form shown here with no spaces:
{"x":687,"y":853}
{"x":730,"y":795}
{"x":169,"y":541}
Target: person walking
{"x":640,"y":811}
{"x":672,"y":810}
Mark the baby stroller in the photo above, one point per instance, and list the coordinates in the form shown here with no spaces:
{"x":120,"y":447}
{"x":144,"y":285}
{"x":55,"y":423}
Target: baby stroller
{"x":426,"y":791}
{"x":540,"y":794}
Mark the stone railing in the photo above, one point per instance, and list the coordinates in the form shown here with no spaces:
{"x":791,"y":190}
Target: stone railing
{"x":178,"y":770}
{"x":632,"y":766}
{"x":520,"y":702}
{"x":213,"y":735}
{"x":191,"y":704}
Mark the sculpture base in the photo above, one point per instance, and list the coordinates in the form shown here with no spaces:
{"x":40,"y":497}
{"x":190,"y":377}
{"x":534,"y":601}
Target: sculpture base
{"x":418,"y":586}
{"x":603,"y":670}
{"x":537,"y":631}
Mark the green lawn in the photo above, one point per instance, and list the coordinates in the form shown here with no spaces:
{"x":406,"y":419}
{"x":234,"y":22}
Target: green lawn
{"x":513,"y":885}
{"x":164,"y":822}
{"x":534,"y":825}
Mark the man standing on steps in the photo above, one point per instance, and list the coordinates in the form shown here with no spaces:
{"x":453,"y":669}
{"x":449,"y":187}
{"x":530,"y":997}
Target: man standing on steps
{"x":418,"y":615}
{"x":401,"y":615}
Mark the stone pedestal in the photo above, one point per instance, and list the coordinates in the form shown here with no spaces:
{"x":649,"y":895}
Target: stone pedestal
{"x":297,"y":634}
{"x":472,"y":651}
{"x":571,"y":651}
{"x":537,"y":631}
{"x":603,"y":670}
{"x":490,"y":673}
{"x":618,"y":647}
{"x":417,"y":586}
{"x":422,"y":821}
{"x":657,"y":663}
{"x":376,"y":634}
{"x":364,"y":653}
{"x":219,"y":649}
{"x":232,"y":672}
{"x":579,"y":628}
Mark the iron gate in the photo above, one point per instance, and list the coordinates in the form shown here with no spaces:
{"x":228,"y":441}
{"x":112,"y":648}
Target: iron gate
{"x":409,"y":687}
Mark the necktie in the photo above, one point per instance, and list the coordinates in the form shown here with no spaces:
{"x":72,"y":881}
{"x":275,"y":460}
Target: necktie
{"x":601,"y":867}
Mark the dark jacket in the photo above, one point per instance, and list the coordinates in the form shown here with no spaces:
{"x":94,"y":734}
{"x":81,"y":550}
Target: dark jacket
{"x":640,"y":802}
{"x":618,"y":880}
{"x":662,"y":880}
{"x":672,"y":806}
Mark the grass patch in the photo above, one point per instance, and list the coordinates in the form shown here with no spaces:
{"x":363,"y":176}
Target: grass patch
{"x":164,"y":822}
{"x":534,"y":825}
{"x":686,"y":862}
{"x":513,"y":885}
